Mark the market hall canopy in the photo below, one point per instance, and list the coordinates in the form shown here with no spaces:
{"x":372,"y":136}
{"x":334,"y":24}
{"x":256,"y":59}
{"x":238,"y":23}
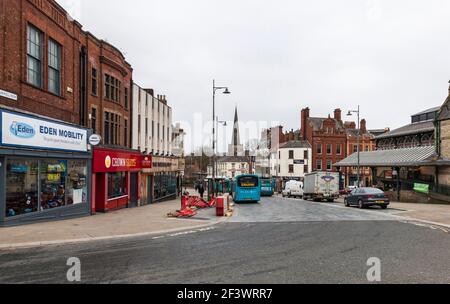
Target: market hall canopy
{"x":406,"y":157}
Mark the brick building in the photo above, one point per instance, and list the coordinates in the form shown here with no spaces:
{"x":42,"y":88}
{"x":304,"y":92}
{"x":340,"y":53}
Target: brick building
{"x":51,"y":67}
{"x":332,"y":140}
{"x":328,"y":138}
{"x":367,"y":143}
{"x":58,"y":80}
{"x":40,"y":59}
{"x":44,"y":144}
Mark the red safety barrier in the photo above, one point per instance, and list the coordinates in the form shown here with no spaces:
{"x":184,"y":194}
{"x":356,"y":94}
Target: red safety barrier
{"x":189,"y":204}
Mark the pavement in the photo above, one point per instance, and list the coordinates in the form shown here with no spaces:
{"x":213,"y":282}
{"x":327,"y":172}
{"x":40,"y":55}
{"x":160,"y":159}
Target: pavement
{"x":428,"y":213}
{"x":133,"y":222}
{"x":306,"y":243}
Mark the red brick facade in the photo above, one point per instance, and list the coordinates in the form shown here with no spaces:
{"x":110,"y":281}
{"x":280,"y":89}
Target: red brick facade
{"x":327,"y":137}
{"x":80,"y":53}
{"x":333,"y":140}
{"x":50,"y":19}
{"x":367,"y":143}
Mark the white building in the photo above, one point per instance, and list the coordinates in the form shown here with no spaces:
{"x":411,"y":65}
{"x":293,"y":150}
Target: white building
{"x":152,"y":123}
{"x":232,"y":166}
{"x":178,"y":135}
{"x":294,"y":160}
{"x":152,"y":134}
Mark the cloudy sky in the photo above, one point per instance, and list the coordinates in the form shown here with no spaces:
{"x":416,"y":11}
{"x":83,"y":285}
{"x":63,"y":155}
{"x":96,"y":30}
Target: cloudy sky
{"x":278,"y":56}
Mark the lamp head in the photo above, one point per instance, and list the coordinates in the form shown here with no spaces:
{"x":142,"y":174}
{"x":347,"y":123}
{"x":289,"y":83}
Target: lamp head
{"x":227,"y":92}
{"x":349,"y":113}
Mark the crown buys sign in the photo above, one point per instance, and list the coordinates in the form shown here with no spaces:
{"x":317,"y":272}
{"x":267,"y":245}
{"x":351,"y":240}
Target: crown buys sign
{"x":108,"y":160}
{"x":18,"y":130}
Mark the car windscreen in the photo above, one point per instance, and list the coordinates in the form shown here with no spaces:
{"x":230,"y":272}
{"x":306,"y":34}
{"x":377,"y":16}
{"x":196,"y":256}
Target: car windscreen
{"x":248,"y":181}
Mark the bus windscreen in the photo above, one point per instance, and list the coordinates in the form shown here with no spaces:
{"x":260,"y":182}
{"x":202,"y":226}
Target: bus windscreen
{"x":248,"y":182}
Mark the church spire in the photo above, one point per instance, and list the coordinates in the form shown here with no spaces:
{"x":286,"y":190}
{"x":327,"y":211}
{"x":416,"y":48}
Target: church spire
{"x":235,"y":149}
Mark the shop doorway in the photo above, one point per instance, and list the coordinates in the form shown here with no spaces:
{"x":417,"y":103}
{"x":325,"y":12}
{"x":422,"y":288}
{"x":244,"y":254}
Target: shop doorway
{"x":134,"y":189}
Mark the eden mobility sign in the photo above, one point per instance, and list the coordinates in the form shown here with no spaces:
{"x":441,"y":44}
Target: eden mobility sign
{"x":26,"y":131}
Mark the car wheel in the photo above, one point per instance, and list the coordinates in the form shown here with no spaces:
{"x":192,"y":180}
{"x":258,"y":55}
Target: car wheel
{"x":346,"y":203}
{"x":360,"y":204}
{"x":384,"y":207}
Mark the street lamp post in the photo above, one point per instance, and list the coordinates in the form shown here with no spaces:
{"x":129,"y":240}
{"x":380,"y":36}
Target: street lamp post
{"x":350,"y":113}
{"x":224,"y":124}
{"x":225,"y":91}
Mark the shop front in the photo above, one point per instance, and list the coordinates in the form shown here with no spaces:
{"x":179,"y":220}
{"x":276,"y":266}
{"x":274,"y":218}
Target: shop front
{"x":116,"y":178}
{"x":45,"y":169}
{"x":162,"y":181}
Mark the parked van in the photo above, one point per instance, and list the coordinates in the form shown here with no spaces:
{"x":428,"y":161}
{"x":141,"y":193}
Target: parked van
{"x":293,"y":189}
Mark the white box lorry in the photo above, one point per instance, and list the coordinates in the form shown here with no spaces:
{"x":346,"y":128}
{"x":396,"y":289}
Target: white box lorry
{"x":320,"y":186}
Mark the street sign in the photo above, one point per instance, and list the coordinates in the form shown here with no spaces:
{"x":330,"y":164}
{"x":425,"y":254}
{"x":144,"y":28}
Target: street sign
{"x":8,"y":95}
{"x":95,"y":139}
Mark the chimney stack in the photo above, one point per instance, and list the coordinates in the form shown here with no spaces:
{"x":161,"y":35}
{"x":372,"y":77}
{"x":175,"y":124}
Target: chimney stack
{"x":363,"y":126}
{"x":338,"y":114}
{"x":449,"y":88}
{"x":304,"y":121}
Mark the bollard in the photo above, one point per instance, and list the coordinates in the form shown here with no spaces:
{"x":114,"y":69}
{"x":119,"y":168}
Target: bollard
{"x":220,"y":206}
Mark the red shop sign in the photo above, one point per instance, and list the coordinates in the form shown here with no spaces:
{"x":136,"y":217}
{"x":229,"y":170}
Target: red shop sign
{"x":119,"y":161}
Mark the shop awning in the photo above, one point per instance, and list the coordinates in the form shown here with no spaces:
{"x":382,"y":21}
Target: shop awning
{"x":408,"y":157}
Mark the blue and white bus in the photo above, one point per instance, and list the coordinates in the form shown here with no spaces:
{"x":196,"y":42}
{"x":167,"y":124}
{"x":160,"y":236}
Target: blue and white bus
{"x":247,"y":188}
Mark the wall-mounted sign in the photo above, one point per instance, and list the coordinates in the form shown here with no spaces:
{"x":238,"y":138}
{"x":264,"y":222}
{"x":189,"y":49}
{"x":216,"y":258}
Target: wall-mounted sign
{"x":8,"y":95}
{"x":299,"y":162}
{"x":19,"y":130}
{"x":106,"y":160}
{"x":95,"y":140}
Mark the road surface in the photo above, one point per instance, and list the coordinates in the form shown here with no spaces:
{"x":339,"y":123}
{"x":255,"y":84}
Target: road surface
{"x":276,"y":241}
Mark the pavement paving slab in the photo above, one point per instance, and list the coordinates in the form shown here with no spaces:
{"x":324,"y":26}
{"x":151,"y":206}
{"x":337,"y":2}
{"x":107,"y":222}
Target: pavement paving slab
{"x":151,"y":219}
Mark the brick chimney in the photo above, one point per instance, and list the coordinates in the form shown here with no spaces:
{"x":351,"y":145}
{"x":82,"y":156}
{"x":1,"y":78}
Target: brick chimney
{"x":338,"y":114}
{"x":363,"y":126}
{"x":304,"y":121}
{"x":350,"y":125}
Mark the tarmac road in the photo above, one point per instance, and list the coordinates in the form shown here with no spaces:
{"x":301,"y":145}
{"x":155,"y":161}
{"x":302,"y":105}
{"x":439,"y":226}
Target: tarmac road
{"x":276,"y":241}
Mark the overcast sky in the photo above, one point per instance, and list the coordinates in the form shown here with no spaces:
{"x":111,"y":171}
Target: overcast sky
{"x":391,"y":57}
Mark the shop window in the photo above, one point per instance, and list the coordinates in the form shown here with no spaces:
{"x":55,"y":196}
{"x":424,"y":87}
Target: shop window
{"x":76,"y":192}
{"x":165,"y":185}
{"x":117,"y":185}
{"x":21,"y":187}
{"x":53,"y":175}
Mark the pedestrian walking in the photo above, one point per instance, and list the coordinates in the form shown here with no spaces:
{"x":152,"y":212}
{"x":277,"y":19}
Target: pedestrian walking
{"x":201,"y":190}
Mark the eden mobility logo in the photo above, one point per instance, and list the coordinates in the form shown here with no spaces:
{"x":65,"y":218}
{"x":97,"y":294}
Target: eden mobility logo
{"x":22,"y":130}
